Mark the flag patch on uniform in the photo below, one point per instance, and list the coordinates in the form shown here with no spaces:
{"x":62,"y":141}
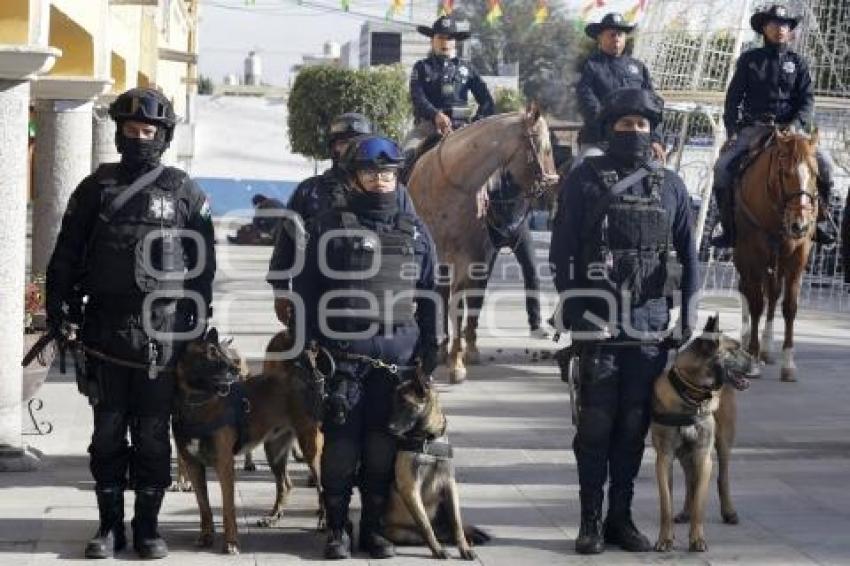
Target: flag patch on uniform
{"x":206,"y":211}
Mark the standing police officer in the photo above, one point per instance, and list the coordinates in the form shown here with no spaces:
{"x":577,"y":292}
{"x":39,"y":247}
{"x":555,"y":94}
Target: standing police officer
{"x":367,"y":266}
{"x":312,"y":195}
{"x":130,"y":233}
{"x":621,"y":245}
{"x":607,"y":69}
{"x":771,"y":85}
{"x":440,"y":85}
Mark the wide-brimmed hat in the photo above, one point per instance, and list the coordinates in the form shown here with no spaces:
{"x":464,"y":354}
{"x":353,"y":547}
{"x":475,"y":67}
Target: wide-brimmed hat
{"x":444,"y":25}
{"x":613,"y":20}
{"x":778,"y":13}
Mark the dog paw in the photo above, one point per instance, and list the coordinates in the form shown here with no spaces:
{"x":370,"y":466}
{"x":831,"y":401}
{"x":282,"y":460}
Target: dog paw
{"x":698,"y":545}
{"x":730,"y":518}
{"x":664,"y":545}
{"x":467,"y":553}
{"x":441,"y":554}
{"x":205,"y":540}
{"x":180,"y":486}
{"x":268,"y":521}
{"x":231,"y":548}
{"x":683,"y":517}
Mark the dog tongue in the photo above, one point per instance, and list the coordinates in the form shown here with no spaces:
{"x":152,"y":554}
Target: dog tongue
{"x":739,"y":381}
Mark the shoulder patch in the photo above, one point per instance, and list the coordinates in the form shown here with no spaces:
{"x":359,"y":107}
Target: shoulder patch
{"x":206,"y":210}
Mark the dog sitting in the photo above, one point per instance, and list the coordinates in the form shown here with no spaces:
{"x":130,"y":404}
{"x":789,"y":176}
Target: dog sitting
{"x":693,"y":412}
{"x":218,"y":416}
{"x":425,"y":503}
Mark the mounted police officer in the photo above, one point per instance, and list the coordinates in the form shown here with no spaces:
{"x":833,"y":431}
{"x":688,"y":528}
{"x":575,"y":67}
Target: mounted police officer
{"x":130,"y":233}
{"x":771,"y":87}
{"x":622,"y":245}
{"x":311,"y":196}
{"x":607,"y":69}
{"x":368,"y":264}
{"x":440,"y":85}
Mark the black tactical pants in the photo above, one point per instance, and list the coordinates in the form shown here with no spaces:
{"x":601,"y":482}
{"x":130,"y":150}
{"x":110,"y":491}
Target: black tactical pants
{"x":361,"y":451}
{"x":616,"y":394}
{"x":131,"y":402}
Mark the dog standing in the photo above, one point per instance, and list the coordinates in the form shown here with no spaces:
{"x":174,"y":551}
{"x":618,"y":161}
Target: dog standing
{"x":425,"y":494}
{"x":217,"y":416}
{"x":693,"y":412}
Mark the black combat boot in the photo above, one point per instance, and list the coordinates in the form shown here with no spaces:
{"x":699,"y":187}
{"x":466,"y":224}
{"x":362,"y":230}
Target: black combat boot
{"x":589,"y":540}
{"x":146,"y":540}
{"x":371,"y":539}
{"x":619,"y":527}
{"x":726,"y":208}
{"x":110,"y":536}
{"x":825,"y":229}
{"x":338,"y":545}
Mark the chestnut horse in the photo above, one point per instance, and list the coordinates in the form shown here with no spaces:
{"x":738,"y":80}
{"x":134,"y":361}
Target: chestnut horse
{"x":775,"y":212}
{"x":446,"y":185}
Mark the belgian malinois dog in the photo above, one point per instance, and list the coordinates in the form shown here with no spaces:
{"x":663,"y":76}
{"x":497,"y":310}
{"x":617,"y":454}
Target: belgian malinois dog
{"x":693,"y":412}
{"x":424,"y":504}
{"x":218,"y":416}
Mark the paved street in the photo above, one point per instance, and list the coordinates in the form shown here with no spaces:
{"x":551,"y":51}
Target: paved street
{"x":512,"y":434}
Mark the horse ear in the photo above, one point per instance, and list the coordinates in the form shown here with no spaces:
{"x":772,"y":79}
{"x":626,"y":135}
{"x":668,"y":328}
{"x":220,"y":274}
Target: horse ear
{"x":532,"y":112}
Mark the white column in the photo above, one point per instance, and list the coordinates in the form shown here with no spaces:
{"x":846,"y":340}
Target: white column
{"x":103,"y":137}
{"x":17,"y":65}
{"x":63,"y":150}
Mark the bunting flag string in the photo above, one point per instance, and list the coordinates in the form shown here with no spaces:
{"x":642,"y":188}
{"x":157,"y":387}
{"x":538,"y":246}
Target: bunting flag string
{"x":446,"y":7}
{"x":494,"y":11}
{"x":396,"y":8}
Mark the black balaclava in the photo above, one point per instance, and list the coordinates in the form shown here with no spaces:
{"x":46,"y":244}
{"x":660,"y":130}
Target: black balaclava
{"x":629,"y":149}
{"x":141,"y":155}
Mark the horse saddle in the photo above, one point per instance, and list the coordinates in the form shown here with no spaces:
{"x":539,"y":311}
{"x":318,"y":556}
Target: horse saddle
{"x":757,"y":146}
{"x":412,"y":157}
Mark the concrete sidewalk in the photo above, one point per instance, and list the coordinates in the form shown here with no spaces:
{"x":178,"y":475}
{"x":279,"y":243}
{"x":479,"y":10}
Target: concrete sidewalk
{"x":512,"y":434}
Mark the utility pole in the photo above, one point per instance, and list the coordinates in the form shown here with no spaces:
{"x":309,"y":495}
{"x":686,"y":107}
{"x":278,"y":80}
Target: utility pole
{"x":192,"y":66}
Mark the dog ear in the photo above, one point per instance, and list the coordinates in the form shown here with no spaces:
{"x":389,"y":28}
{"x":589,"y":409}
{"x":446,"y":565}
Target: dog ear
{"x":713,"y":324}
{"x":212,"y":336}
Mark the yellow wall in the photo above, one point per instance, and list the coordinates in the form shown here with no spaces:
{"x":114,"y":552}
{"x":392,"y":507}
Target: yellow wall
{"x":76,"y":45}
{"x":14,"y":21}
{"x":119,"y":74}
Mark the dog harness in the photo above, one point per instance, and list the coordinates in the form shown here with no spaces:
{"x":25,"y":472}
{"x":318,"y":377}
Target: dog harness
{"x":235,"y":414}
{"x":439,"y":447}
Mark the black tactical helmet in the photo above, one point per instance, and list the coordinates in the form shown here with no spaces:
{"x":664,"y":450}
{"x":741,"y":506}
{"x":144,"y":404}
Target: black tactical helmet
{"x":347,"y":126}
{"x":626,"y":101}
{"x":145,"y":105}
{"x":368,"y":152}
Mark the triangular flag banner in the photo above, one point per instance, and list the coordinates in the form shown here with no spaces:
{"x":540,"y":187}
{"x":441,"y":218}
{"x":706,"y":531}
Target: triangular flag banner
{"x":446,"y":7}
{"x":494,"y":12}
{"x":397,"y":6}
{"x":541,"y":13}
{"x":632,"y":14}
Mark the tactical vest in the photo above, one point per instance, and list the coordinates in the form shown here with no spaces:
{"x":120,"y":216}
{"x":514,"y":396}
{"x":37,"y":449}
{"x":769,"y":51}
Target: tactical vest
{"x":384,"y":254}
{"x":137,"y":251}
{"x":629,"y":248}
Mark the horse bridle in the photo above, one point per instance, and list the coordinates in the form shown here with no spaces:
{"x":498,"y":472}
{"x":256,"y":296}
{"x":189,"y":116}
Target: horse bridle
{"x":787,"y":198}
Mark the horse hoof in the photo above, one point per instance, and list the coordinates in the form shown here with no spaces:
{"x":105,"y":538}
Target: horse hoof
{"x":268,"y":521}
{"x":230,"y":548}
{"x":767,"y":358}
{"x":457,"y":375}
{"x":681,"y":518}
{"x":730,"y":518}
{"x":205,"y":540}
{"x":789,"y":375}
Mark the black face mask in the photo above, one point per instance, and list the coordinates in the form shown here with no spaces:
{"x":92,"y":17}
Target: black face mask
{"x":139,"y":154}
{"x":630,"y":148}
{"x":378,"y":206}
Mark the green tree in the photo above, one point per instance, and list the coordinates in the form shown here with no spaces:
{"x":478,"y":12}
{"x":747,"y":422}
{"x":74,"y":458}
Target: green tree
{"x":322,"y":92}
{"x":508,"y":100}
{"x":546,"y":53}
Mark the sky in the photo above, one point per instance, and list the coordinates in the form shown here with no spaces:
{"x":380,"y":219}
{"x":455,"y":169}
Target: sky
{"x":284,"y":30}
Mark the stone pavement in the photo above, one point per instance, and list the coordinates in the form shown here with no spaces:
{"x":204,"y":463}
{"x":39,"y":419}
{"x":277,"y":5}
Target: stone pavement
{"x":511,"y":429}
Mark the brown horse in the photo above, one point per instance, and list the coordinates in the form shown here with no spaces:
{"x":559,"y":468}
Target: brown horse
{"x":776,"y":212}
{"x":446,"y":185}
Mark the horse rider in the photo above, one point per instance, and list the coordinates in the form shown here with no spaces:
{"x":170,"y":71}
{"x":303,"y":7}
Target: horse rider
{"x":310,"y":196}
{"x":507,"y":217}
{"x":771,"y":87}
{"x":608,"y":68}
{"x":440,"y":85}
{"x":368,"y":263}
{"x":119,"y":244}
{"x":622,"y":245}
